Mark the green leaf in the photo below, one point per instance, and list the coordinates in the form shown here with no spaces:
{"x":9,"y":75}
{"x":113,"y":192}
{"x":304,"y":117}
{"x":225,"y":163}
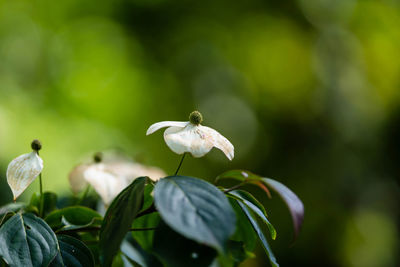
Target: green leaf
{"x":244,"y":230}
{"x":236,"y":254}
{"x":72,"y":253}
{"x":145,"y":238}
{"x":118,"y":219}
{"x":148,"y":198}
{"x":260,"y":234}
{"x":240,"y":175}
{"x":196,"y":209}
{"x":252,"y":203}
{"x":174,"y":250}
{"x":11,"y":207}
{"x":291,"y":200}
{"x":26,"y":240}
{"x":137,"y":256}
{"x":73,"y":217}
{"x":50,"y":202}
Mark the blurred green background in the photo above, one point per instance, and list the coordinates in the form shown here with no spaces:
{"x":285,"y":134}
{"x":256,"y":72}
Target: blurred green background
{"x":308,"y":91}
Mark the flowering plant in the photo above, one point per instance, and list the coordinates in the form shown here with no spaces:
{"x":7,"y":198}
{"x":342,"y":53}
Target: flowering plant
{"x":145,"y":218}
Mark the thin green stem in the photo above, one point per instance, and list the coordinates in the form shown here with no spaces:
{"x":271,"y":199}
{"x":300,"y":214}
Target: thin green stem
{"x":233,"y":188}
{"x":84,"y":195}
{"x":180,"y":163}
{"x":41,"y":196}
{"x":149,"y":210}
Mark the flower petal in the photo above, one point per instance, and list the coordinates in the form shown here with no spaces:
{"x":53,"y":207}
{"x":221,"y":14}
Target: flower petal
{"x":131,"y":170}
{"x":189,"y":139}
{"x":219,"y":141}
{"x":76,"y":179}
{"x":106,"y":184}
{"x":157,"y":126}
{"x":22,"y":171}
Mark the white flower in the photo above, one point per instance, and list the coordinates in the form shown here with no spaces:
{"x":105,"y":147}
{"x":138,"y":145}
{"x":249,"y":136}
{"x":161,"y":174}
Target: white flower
{"x":22,"y":171}
{"x":109,"y":178}
{"x":190,"y":136}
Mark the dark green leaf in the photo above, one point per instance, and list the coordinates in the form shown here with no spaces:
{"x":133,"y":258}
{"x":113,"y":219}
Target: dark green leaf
{"x":174,"y":250}
{"x":256,"y":207}
{"x":145,"y":238}
{"x":75,"y":217}
{"x":236,"y":255}
{"x":50,"y":202}
{"x":72,"y":253}
{"x":148,"y":198}
{"x":244,"y":230}
{"x":260,"y":234}
{"x":11,"y":207}
{"x":26,"y":240}
{"x":118,"y":219}
{"x":137,"y":256}
{"x":196,"y":209}
{"x":240,"y":175}
{"x":294,"y":204}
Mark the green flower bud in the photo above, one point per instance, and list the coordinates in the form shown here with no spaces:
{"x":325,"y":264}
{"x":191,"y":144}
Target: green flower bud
{"x":36,"y":145}
{"x":98,"y":157}
{"x":195,"y":118}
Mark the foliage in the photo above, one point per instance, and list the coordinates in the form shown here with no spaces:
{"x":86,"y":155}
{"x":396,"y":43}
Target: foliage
{"x":174,"y":220}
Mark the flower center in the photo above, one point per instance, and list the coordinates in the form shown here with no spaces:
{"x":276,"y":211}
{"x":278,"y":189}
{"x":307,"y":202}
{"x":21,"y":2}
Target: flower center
{"x":98,"y":157}
{"x":36,"y":145}
{"x":195,"y":118}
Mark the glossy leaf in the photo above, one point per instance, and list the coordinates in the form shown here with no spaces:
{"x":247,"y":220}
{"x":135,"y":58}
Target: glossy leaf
{"x":136,"y":256}
{"x":174,"y":250}
{"x":49,"y":202}
{"x":119,"y":218}
{"x":72,"y":253}
{"x":12,"y":207}
{"x":73,"y":216}
{"x":145,"y":238}
{"x":195,"y":209}
{"x":235,"y":256}
{"x":240,"y":175}
{"x":260,"y":234}
{"x":256,"y":207}
{"x":292,"y":201}
{"x":26,"y":240}
{"x":244,"y":231}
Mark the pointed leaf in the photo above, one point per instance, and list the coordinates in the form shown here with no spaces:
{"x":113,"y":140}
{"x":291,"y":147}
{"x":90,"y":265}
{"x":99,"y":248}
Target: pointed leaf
{"x":72,"y":253}
{"x":294,"y":204}
{"x":196,"y":209}
{"x":119,"y":218}
{"x":260,"y":234}
{"x":244,"y":231}
{"x":49,"y":202}
{"x":75,"y":215}
{"x":181,"y":252}
{"x":256,"y":207}
{"x":292,"y":201}
{"x":27,"y":240}
{"x":137,"y":256}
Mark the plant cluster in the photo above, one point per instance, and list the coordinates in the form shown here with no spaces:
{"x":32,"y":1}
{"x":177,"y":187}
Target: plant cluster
{"x":146,"y":218}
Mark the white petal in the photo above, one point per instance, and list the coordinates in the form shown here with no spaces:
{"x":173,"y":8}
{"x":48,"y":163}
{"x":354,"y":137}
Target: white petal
{"x":131,"y":170}
{"x":76,"y":178}
{"x":106,"y":184}
{"x":189,"y":139}
{"x":22,"y":171}
{"x":219,"y":141}
{"x":157,"y":126}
